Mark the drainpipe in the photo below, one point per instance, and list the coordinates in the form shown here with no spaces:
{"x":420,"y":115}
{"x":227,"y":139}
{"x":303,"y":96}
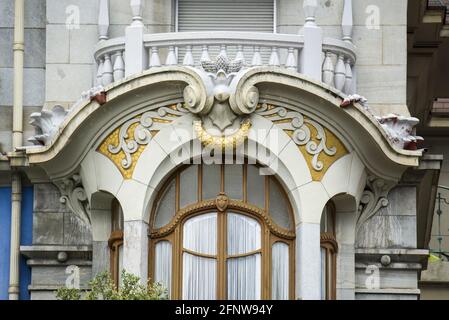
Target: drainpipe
{"x":17,"y":136}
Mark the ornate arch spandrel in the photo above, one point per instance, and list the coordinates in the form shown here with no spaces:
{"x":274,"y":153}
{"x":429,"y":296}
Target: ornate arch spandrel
{"x":124,"y":145}
{"x":320,"y":147}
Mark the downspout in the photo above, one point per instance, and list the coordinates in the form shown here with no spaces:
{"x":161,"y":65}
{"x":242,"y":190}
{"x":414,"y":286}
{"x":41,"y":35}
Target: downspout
{"x":17,"y":136}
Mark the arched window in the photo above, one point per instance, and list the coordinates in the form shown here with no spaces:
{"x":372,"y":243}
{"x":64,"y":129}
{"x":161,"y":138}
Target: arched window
{"x":223,"y":232}
{"x":329,"y":249}
{"x":116,"y":241}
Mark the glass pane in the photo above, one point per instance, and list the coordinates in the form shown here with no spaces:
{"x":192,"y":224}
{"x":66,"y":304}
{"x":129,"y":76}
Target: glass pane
{"x":200,"y":234}
{"x":256,"y":187}
{"x":117,"y":216}
{"x":279,"y":206}
{"x":279,"y":271}
{"x":244,"y":278}
{"x":327,"y":221}
{"x":163,"y":264}
{"x":198,"y":278}
{"x":211,"y":181}
{"x":167,"y":206}
{"x":188,"y":186}
{"x":323,"y":274}
{"x":234,"y":181}
{"x":244,"y":234}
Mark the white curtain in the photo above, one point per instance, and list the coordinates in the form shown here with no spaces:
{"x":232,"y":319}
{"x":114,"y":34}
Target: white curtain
{"x":199,"y":276}
{"x":163,"y":264}
{"x":244,"y":234}
{"x":279,"y":271}
{"x":243,"y":273}
{"x":200,"y":234}
{"x":244,"y":278}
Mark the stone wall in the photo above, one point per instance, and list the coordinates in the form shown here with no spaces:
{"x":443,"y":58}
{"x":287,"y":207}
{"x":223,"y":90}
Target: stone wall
{"x":387,"y":261}
{"x":56,"y":230}
{"x":34,"y":62}
{"x":70,"y":47}
{"x":381,"y":49}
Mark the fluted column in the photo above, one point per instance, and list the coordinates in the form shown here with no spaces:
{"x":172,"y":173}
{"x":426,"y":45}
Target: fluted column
{"x":313,"y":43}
{"x":136,"y":57}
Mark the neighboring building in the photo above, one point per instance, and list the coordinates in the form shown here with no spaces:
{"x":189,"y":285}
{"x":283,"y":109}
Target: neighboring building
{"x":322,"y":194}
{"x":428,"y":92}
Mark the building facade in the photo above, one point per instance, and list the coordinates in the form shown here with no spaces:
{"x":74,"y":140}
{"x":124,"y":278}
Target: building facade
{"x":227,"y":149}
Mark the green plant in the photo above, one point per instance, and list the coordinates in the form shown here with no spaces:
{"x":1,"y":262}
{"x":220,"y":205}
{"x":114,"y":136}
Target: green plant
{"x":102,"y":287}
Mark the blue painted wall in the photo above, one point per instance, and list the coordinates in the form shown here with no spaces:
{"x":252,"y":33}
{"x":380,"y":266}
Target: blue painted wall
{"x":26,"y":238}
{"x":5,"y":236}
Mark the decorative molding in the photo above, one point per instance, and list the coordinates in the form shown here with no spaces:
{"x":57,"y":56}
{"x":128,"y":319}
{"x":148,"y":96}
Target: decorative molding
{"x":374,"y":198}
{"x":74,"y":197}
{"x":222,"y":202}
{"x":222,"y":141}
{"x":320,"y":146}
{"x":354,"y":98}
{"x":222,"y":112}
{"x":125,"y":144}
{"x":46,"y":124}
{"x":400,"y":131}
{"x":212,"y":205}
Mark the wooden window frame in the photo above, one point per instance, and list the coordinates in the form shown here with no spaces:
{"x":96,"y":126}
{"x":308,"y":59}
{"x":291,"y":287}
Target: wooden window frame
{"x":329,"y":243}
{"x":115,"y":241}
{"x":270,"y":233}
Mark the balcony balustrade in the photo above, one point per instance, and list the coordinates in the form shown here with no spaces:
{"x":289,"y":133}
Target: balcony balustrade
{"x":328,"y":60}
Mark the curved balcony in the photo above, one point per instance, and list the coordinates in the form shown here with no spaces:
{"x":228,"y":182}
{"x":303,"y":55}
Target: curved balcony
{"x":329,"y":60}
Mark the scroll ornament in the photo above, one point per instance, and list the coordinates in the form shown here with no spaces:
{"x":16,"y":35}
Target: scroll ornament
{"x":374,"y":198}
{"x":74,"y":197}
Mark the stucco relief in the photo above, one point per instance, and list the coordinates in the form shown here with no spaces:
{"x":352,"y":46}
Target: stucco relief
{"x":74,"y":196}
{"x":126,"y":143}
{"x":224,"y":113}
{"x":374,"y":198}
{"x":320,"y":147}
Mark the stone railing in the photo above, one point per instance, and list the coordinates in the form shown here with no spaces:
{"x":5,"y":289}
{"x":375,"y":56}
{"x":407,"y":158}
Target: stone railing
{"x":323,"y":59}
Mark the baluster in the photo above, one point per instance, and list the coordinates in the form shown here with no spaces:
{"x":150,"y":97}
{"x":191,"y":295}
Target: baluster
{"x":205,"y":54}
{"x":137,"y":9}
{"x":155,"y":61}
{"x":171,"y":57}
{"x":347,"y":21}
{"x":100,"y":72}
{"x":348,"y":82}
{"x":119,"y":67}
{"x":291,"y":63}
{"x":103,"y":20}
{"x":188,"y":58}
{"x":257,"y":59}
{"x":274,"y":57}
{"x":240,"y":55}
{"x":340,"y":73}
{"x":328,"y":69}
{"x":223,"y":51}
{"x":107,"y":77}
